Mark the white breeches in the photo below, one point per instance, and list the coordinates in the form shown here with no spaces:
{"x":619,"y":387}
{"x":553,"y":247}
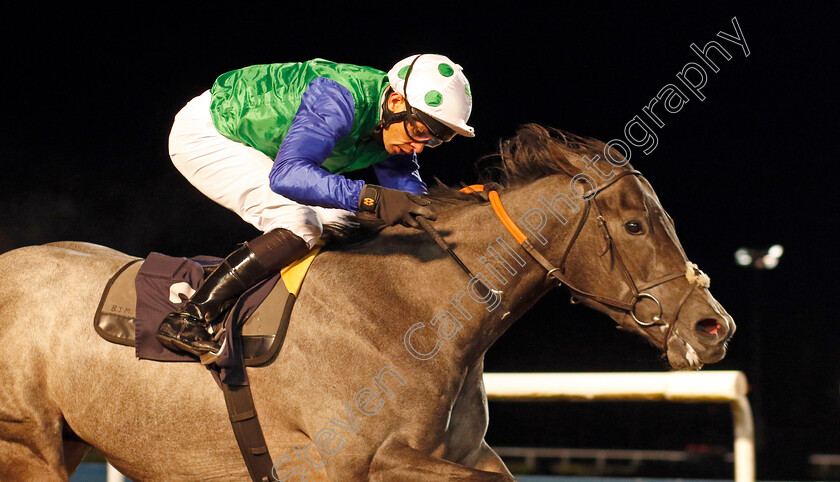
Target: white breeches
{"x":236,"y":176}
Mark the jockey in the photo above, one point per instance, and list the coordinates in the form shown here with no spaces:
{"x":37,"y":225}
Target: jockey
{"x":271,"y":142}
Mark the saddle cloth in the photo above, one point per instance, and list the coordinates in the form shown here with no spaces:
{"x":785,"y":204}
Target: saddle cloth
{"x":144,"y":291}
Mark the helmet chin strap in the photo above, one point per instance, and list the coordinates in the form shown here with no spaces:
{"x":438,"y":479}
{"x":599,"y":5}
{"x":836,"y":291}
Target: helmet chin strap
{"x":388,"y":116}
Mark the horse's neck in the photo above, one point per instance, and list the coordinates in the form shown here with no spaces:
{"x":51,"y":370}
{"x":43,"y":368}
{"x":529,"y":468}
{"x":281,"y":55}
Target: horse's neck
{"x":458,"y":301}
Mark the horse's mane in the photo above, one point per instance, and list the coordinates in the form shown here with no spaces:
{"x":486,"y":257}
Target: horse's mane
{"x":535,"y":151}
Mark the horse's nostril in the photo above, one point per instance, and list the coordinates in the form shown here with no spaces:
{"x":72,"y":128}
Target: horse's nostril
{"x":709,"y":326}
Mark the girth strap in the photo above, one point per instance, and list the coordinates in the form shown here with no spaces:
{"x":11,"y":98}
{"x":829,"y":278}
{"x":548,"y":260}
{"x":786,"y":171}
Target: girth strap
{"x":246,"y":428}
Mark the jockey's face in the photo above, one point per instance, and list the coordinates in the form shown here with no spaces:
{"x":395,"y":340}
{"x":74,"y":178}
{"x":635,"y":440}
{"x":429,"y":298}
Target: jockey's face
{"x":396,"y":139}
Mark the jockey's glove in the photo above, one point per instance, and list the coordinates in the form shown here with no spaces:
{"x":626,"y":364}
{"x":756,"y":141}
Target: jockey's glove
{"x":393,"y":206}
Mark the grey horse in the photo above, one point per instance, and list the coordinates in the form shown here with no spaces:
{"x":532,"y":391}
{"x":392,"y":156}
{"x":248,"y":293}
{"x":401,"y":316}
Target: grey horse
{"x":380,"y":377}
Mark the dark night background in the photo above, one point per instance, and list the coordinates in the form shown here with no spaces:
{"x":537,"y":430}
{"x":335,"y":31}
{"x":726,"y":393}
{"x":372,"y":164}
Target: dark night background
{"x":90,"y":96}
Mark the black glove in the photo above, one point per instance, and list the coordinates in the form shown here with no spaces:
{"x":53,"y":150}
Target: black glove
{"x":393,"y":206}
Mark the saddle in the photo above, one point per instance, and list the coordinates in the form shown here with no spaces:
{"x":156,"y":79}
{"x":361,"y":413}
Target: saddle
{"x":264,"y":311}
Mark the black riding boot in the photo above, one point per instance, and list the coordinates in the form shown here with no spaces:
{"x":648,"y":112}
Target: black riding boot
{"x":187,"y":328}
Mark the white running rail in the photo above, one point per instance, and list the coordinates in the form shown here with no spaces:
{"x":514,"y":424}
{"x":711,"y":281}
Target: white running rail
{"x":113,"y":475}
{"x":705,"y":386}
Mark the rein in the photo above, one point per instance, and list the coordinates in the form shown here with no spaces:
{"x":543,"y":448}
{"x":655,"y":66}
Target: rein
{"x":696,"y":278}
{"x":485,"y":290}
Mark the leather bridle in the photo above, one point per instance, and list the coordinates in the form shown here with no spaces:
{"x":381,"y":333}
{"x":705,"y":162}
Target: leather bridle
{"x":638,"y":291}
{"x":695,"y":277}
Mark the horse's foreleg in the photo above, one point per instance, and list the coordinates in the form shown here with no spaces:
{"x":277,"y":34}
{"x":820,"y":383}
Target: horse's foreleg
{"x":397,"y":461}
{"x":74,"y":452}
{"x":485,"y":458}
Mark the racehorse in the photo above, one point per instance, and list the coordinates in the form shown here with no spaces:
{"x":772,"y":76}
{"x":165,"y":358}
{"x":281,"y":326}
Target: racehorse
{"x":380,"y":376}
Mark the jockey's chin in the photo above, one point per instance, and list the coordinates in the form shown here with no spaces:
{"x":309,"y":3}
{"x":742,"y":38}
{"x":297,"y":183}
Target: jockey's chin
{"x":399,"y":149}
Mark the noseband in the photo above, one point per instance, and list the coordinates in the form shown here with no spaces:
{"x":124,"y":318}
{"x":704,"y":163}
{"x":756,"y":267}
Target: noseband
{"x":695,"y":277}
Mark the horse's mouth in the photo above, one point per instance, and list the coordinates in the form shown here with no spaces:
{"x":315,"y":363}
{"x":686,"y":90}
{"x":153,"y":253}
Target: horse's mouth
{"x":683,"y":356}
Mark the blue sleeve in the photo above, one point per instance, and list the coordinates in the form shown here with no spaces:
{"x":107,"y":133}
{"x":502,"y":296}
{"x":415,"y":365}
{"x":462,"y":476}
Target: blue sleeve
{"x":325,"y":115}
{"x":401,"y":172}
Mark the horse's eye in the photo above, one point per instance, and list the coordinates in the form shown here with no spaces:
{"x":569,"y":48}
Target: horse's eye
{"x":634,"y":227}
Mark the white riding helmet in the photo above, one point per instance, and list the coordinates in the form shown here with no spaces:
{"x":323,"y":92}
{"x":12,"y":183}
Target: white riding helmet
{"x":437,"y":87}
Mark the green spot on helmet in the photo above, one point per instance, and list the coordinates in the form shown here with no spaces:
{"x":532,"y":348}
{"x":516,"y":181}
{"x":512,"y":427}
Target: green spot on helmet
{"x":433,"y":98}
{"x":437,"y":87}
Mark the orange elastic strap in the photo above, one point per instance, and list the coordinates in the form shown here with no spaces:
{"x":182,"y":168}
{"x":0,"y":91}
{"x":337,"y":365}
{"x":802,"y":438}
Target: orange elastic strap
{"x":496,"y":202}
{"x":473,"y":188}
